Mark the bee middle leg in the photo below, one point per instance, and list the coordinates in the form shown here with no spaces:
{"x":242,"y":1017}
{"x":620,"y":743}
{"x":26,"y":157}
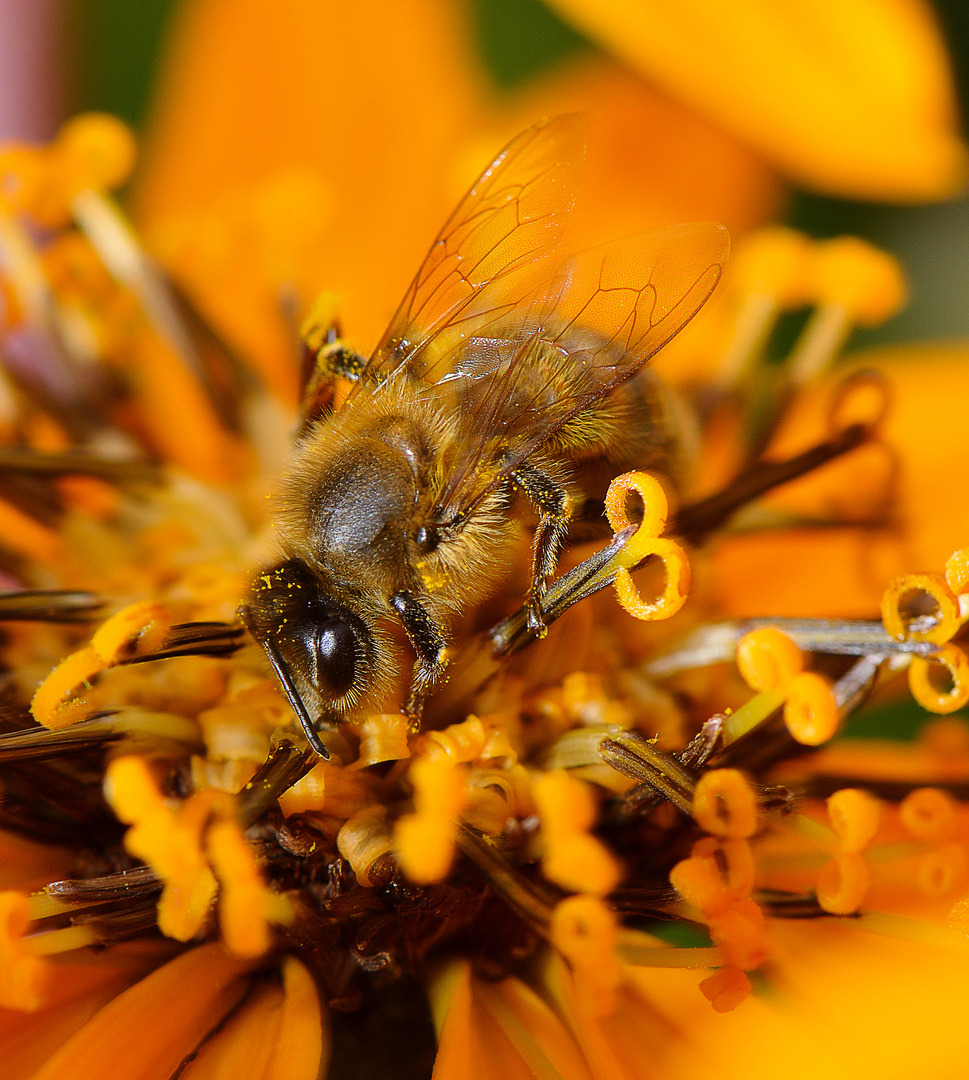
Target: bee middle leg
{"x":428,"y":641}
{"x":555,"y":504}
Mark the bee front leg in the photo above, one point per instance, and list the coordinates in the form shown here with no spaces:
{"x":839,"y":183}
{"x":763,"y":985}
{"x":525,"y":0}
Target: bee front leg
{"x":554,"y":503}
{"x":428,"y":641}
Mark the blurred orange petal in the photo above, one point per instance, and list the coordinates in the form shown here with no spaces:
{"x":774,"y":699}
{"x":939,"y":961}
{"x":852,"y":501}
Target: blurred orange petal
{"x":650,"y":160}
{"x":80,"y":985}
{"x":371,"y":104}
{"x":853,"y":98}
{"x":498,"y":1031}
{"x":146,"y":1032}
{"x":276,"y":1035}
{"x":843,"y":571}
{"x":242,"y":1047}
{"x":837,"y":1003}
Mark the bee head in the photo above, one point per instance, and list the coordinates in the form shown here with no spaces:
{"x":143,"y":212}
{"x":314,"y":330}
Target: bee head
{"x":319,"y":648}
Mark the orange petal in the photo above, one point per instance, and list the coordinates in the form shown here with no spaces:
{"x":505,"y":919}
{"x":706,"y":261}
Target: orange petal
{"x":303,"y":1048}
{"x":498,"y":1031}
{"x":650,"y":160}
{"x":632,"y":1041}
{"x":843,"y":572}
{"x":80,"y":984}
{"x":372,"y":105}
{"x":146,"y":1032}
{"x":853,"y":98}
{"x":243,"y":1046}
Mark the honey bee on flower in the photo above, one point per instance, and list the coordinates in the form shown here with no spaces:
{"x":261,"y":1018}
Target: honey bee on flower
{"x":583,"y":831}
{"x":509,"y":367}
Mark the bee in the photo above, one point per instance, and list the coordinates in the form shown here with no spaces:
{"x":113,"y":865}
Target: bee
{"x":511,"y":368}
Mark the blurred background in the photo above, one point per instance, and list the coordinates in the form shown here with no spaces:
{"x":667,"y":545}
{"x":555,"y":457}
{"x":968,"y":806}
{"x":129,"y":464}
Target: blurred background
{"x":63,"y":56}
{"x":289,"y":146}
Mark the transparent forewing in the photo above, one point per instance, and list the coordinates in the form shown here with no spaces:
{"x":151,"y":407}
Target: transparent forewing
{"x":601,"y":316}
{"x":490,"y":253}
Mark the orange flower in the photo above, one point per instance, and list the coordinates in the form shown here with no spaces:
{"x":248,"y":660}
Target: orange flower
{"x":605,"y":856}
{"x":854,"y":99}
{"x":389,"y":119}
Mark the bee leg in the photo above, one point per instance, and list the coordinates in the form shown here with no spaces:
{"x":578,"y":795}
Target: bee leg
{"x":584,"y":580}
{"x":325,"y":358}
{"x":427,"y":640}
{"x":554,"y":503}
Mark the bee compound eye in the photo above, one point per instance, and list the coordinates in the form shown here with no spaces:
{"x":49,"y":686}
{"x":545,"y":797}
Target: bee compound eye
{"x":336,"y":655}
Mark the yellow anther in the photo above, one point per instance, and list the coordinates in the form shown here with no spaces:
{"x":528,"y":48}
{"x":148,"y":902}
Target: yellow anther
{"x":328,"y":789}
{"x":949,"y":663}
{"x":307,"y":793}
{"x":488,"y":809}
{"x":25,"y":535}
{"x":849,"y":273}
{"x":233,"y":732}
{"x":95,"y":150}
{"x":169,"y":840}
{"x":54,"y":704}
{"x":738,"y":932}
{"x":957,"y":571}
{"x":810,"y":712}
{"x":654,"y":503}
{"x":774,"y":262}
{"x":364,"y":839}
{"x":23,"y":172}
{"x":726,"y":989}
{"x":458,"y":743}
{"x":902,"y":590}
{"x":586,"y":701}
{"x":928,"y":813}
{"x":564,"y":803}
{"x":843,"y":884}
{"x":506,"y":791}
{"x":860,"y":398}
{"x":854,"y":816}
{"x":22,"y":974}
{"x":141,"y":627}
{"x":573,"y":859}
{"x":425,"y":839}
{"x":942,"y":871}
{"x":724,"y":804}
{"x":768,"y":659}
{"x":383,"y":737}
{"x":646,"y":541}
{"x":32,"y":183}
{"x":131,"y":791}
{"x":138,"y":628}
{"x":734,"y":862}
{"x":584,"y":931}
{"x":246,"y":905}
{"x":958,"y":917}
{"x":700,"y":883}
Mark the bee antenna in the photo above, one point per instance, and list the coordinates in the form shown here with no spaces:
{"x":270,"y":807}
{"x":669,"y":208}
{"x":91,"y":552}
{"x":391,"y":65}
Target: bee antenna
{"x":289,"y":688}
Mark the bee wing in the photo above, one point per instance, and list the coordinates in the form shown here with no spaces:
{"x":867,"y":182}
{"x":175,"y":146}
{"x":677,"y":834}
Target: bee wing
{"x":490,"y":253}
{"x":599,"y":318}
